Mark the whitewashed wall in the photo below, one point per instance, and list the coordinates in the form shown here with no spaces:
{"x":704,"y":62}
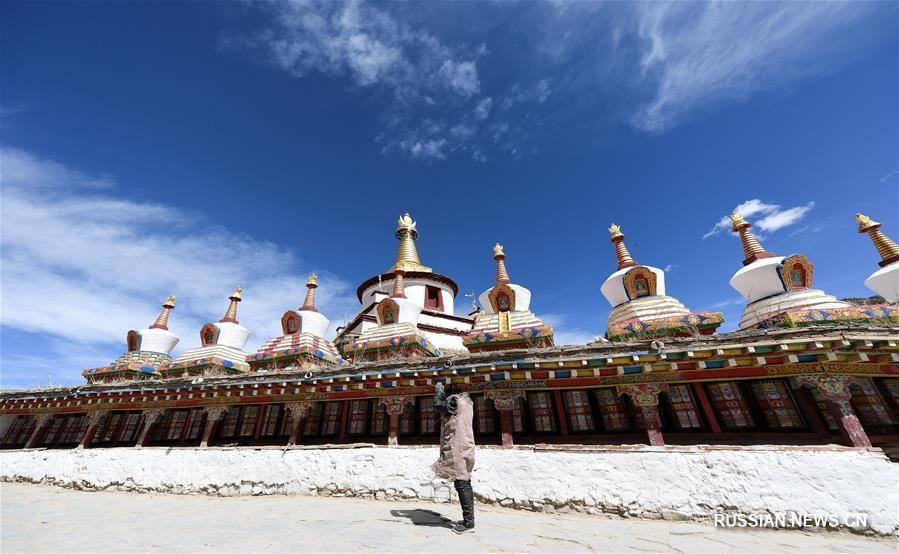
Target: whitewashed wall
{"x":652,"y":482}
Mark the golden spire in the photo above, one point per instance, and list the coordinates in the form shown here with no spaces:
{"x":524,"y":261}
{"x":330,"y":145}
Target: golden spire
{"x":888,"y":250}
{"x":752,"y":249}
{"x":624,"y":257}
{"x":162,"y":320}
{"x":311,"y":285}
{"x":399,"y":285}
{"x":231,"y":313}
{"x":407,"y":255}
{"x":502,"y":276}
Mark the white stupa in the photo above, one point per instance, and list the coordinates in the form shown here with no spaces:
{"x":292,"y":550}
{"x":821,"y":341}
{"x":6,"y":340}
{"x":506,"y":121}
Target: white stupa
{"x":775,"y":285}
{"x":148,"y":351}
{"x":303,"y":343}
{"x":640,"y":306}
{"x":506,"y":320}
{"x":884,"y":281}
{"x":221,"y":345}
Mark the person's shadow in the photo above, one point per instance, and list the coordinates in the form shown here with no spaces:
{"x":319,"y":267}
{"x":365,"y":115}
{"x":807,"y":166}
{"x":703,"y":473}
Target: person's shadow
{"x":428,"y":518}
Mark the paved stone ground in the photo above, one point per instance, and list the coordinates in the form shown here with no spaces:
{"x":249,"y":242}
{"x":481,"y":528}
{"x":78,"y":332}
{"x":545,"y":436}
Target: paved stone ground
{"x":36,"y":518}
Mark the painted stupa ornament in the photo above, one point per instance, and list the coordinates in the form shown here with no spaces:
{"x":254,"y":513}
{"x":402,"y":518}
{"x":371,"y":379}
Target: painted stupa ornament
{"x":624,"y":257}
{"x":888,"y":250}
{"x":231,"y":312}
{"x":309,"y":302}
{"x":752,"y":249}
{"x":162,"y":320}
{"x":502,"y":276}
{"x":407,"y":255}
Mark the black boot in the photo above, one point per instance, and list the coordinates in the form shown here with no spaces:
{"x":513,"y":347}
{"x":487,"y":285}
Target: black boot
{"x":466,"y":498}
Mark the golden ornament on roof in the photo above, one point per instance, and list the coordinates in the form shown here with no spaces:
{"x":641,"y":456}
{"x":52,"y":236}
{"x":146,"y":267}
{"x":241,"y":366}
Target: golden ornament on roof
{"x":864,"y":222}
{"x":170,"y":301}
{"x":737,"y":219}
{"x":236,"y":293}
{"x":313,"y":279}
{"x":405,"y":223}
{"x":498,"y":249}
{"x":615,"y":230}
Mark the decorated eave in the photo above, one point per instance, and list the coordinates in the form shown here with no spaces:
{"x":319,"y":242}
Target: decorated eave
{"x":840,"y":350}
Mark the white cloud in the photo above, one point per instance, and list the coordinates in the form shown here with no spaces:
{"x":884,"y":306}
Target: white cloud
{"x":773,"y":216}
{"x":711,"y":52}
{"x":668,"y":268}
{"x":563,"y":334}
{"x":86,"y":267}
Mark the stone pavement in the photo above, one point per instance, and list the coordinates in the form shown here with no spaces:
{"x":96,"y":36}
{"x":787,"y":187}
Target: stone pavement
{"x":36,"y":518}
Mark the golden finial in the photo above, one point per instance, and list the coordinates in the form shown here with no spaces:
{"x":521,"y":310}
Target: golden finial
{"x":752,"y":248}
{"x":737,"y":220}
{"x":162,"y":320}
{"x":231,"y":312}
{"x":621,"y":252}
{"x":407,"y":255}
{"x":309,"y":302}
{"x":865,"y":223}
{"x":405,"y":223}
{"x":502,"y":276}
{"x":888,"y":250}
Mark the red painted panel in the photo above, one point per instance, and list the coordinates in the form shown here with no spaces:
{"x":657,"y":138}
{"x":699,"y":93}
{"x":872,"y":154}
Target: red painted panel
{"x":584,"y":382}
{"x":733,"y":373}
{"x":608,"y":372}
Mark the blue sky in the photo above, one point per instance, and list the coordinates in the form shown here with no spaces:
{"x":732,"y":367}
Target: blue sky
{"x":158,"y":148}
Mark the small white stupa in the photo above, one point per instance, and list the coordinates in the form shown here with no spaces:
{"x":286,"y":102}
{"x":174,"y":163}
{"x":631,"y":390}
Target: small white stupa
{"x":148,"y":351}
{"x":884,"y":281}
{"x":221,"y":345}
{"x":776,"y":286}
{"x":640,"y":307}
{"x":506,"y":321}
{"x":303,"y":343}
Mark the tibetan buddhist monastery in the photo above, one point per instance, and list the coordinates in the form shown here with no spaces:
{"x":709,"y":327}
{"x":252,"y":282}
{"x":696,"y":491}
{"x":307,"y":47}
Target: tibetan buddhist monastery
{"x":803,"y":368}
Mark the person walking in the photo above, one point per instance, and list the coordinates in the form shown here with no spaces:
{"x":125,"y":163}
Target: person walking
{"x":456,"y":448}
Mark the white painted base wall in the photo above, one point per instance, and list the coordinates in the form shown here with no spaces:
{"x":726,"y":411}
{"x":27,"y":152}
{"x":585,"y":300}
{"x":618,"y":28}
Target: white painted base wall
{"x":651,"y":482}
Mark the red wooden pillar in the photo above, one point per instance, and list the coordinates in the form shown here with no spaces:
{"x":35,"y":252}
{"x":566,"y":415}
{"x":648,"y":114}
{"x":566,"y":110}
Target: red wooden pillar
{"x":213,"y":414}
{"x":506,"y":401}
{"x":260,"y":416}
{"x":835,"y":388}
{"x":42,"y":421}
{"x":560,"y":411}
{"x":710,"y":416}
{"x":395,"y":405}
{"x":645,"y":398}
{"x":297,"y":412}
{"x":653,"y":424}
{"x":344,"y":416}
{"x":506,"y":427}
{"x":850,"y":427}
{"x":150,"y":417}
{"x":94,"y":419}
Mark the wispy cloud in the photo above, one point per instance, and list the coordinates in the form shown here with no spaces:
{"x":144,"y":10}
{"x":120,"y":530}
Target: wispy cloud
{"x":735,"y":301}
{"x":889,"y":176}
{"x":703,"y":53}
{"x":88,"y":266}
{"x":771,"y":217}
{"x":460,"y":89}
{"x":565,"y":334}
{"x":669,"y":268}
